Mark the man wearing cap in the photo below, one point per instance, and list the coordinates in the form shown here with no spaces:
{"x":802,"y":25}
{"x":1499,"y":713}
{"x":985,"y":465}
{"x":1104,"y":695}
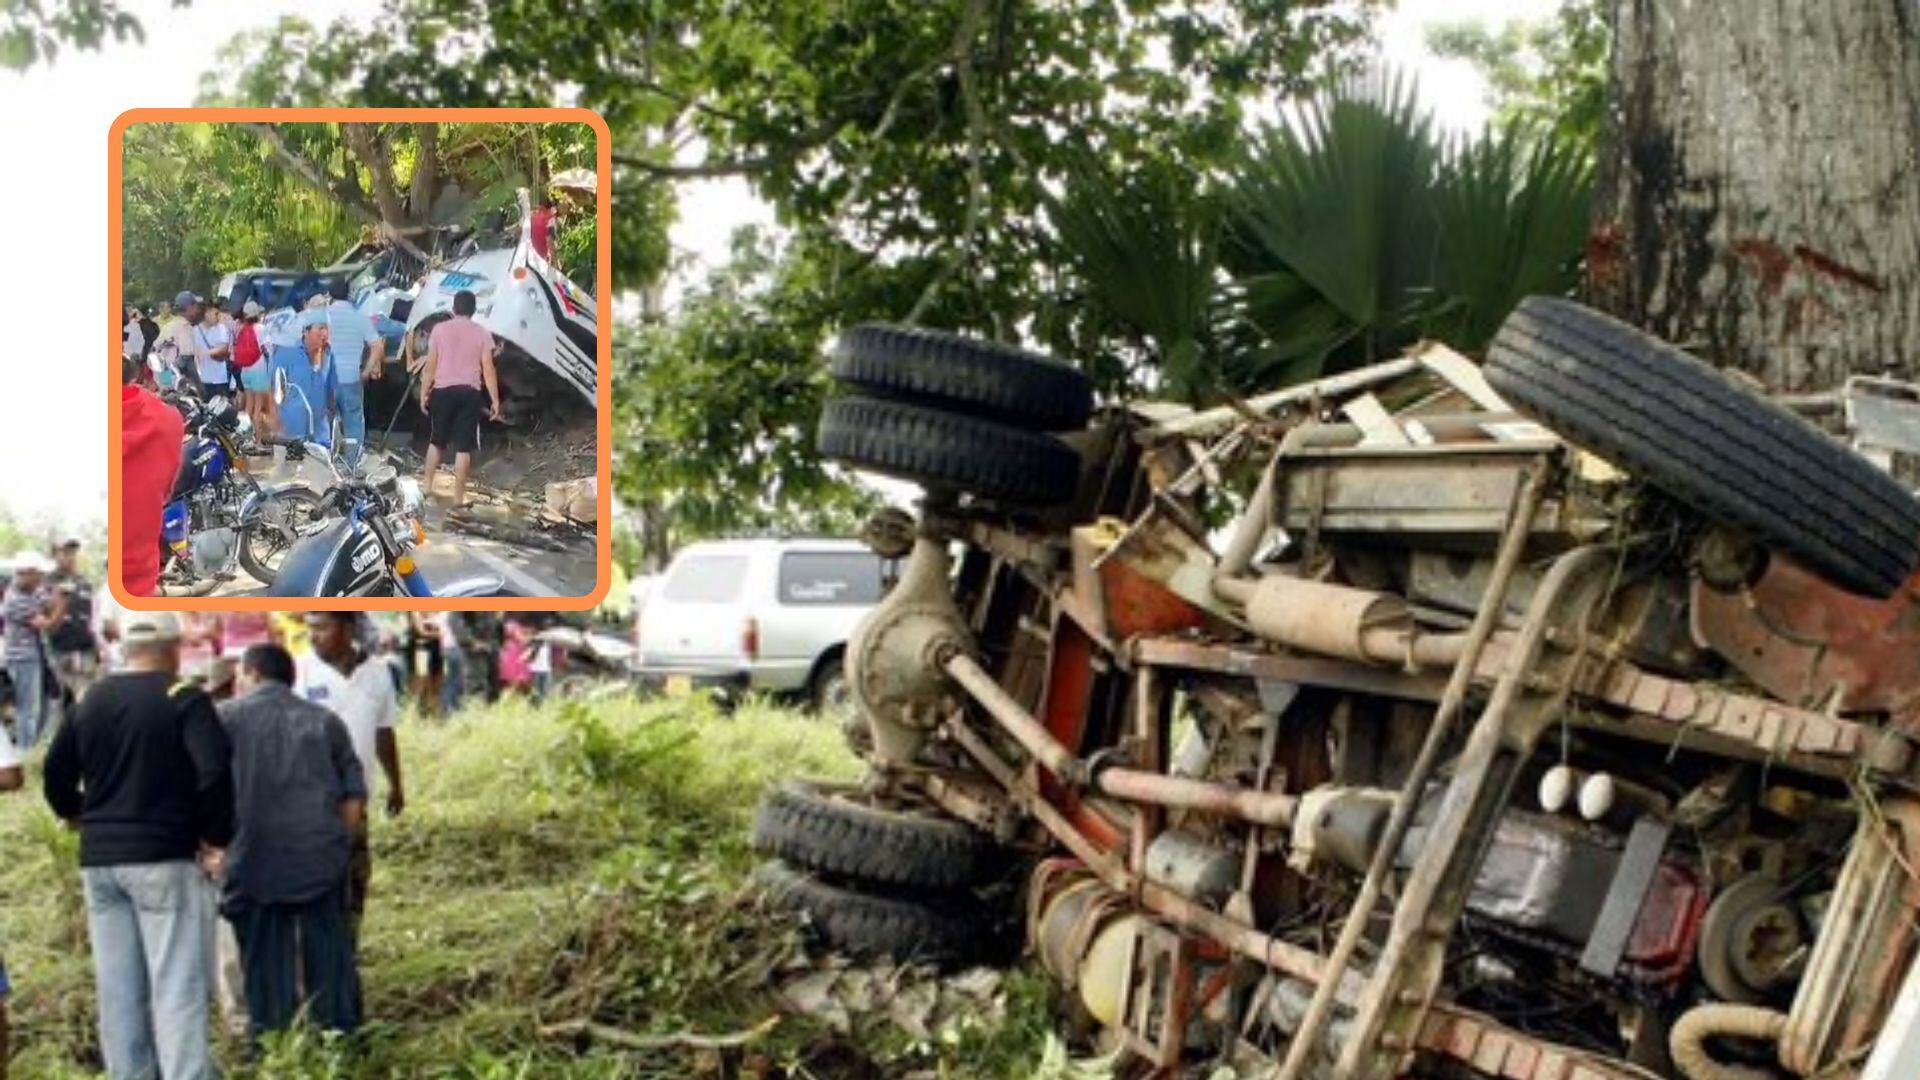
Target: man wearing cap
{"x":358,"y":353}
{"x":249,"y":357}
{"x":184,"y":334}
{"x":144,"y":769}
{"x":11,"y":778}
{"x":306,"y":411}
{"x":150,"y":434}
{"x":31,"y":608}
{"x":76,"y":652}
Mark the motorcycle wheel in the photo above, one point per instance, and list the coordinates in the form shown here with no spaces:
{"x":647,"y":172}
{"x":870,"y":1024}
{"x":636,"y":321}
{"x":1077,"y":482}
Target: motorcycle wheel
{"x":265,"y":543}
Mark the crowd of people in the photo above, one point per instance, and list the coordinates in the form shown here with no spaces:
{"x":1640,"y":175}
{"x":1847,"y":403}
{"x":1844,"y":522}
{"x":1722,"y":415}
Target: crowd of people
{"x":248,"y":801}
{"x":323,"y":354}
{"x":218,"y":768}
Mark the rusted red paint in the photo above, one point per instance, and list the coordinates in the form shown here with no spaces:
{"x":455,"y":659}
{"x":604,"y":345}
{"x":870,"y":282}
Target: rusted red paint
{"x":1069,"y":693}
{"x":1802,"y":640}
{"x":1773,"y":263}
{"x":1834,"y":268}
{"x":1606,"y":257}
{"x":1137,"y":605}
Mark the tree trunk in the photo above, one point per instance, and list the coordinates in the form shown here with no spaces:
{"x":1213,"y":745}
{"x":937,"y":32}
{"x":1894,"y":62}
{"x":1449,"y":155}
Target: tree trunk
{"x":1759,"y":190}
{"x":426,"y":174}
{"x":370,"y":146}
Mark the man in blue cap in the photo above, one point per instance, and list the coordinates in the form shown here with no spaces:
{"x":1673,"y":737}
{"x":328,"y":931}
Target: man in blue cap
{"x":184,"y":334}
{"x":307,"y":410}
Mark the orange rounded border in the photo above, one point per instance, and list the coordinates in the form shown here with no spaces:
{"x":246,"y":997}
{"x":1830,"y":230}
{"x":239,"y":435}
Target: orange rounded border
{"x":603,"y":291}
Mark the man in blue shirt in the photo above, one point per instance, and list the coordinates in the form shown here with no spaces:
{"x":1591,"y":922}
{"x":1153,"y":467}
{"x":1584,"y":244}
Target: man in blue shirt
{"x":307,"y":411}
{"x":357,"y":353}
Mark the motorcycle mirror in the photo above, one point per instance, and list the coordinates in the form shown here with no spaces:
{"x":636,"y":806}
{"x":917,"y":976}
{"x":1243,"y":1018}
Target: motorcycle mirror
{"x":280,"y":386}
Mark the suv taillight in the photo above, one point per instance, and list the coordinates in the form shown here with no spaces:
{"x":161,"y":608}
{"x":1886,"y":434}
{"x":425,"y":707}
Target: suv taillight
{"x":750,"y":638}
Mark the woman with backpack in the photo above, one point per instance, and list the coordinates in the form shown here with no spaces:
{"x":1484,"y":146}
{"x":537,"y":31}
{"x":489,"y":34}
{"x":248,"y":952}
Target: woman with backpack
{"x":256,"y":395}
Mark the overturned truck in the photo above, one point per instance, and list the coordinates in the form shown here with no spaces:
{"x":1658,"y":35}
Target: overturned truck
{"x":1549,"y":719}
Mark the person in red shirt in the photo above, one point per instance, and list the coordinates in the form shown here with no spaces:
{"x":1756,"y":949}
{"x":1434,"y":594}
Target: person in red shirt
{"x":541,"y":229}
{"x":150,"y":434}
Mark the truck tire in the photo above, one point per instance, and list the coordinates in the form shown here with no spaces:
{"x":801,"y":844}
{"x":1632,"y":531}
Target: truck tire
{"x":948,"y":933}
{"x":824,"y":829}
{"x":948,"y":451}
{"x":1708,"y":441}
{"x":966,"y":375}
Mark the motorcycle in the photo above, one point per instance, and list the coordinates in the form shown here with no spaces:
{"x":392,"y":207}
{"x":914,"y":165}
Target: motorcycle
{"x":367,"y":549}
{"x":218,"y":516}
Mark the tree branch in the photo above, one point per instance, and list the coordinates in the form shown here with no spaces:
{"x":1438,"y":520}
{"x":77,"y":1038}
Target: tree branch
{"x":970,"y":21}
{"x":315,"y":175}
{"x":811,"y":138}
{"x":371,"y":148}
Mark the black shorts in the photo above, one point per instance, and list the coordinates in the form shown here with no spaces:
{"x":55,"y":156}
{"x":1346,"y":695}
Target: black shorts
{"x":453,"y":417}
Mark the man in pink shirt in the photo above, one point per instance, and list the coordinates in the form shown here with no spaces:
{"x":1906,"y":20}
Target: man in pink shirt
{"x":458,"y":388}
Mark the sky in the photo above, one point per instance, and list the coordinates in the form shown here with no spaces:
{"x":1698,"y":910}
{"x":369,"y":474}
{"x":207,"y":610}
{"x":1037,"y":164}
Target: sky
{"x":53,"y":424}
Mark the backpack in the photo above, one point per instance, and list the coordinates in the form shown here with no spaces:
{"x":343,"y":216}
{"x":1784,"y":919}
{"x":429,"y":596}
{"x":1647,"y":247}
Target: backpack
{"x":246,"y":347}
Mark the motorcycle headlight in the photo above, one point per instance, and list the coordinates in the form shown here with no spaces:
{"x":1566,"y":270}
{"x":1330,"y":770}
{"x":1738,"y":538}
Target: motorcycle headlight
{"x":411,"y":499}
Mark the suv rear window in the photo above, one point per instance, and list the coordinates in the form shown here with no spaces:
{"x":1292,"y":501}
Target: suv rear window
{"x":706,"y":579}
{"x":824,"y":578}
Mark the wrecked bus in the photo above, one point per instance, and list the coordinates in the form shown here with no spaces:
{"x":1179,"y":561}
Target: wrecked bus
{"x":1552,"y":719}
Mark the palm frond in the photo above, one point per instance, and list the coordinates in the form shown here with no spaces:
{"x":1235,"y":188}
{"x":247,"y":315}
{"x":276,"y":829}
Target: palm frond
{"x":1339,"y":195}
{"x":1513,"y":208}
{"x":1145,"y":244}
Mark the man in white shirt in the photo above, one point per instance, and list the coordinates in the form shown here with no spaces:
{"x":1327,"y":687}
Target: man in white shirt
{"x":213,"y":353}
{"x":358,"y":689}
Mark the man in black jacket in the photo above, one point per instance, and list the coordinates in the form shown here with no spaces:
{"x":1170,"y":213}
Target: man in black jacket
{"x":144,"y":769}
{"x":301,"y":796}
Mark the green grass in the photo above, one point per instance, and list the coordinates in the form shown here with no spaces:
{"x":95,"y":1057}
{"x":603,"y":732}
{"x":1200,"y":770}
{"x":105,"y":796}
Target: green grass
{"x":579,"y":861}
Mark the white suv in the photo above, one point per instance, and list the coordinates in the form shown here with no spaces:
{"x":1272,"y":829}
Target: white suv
{"x":768,"y":615}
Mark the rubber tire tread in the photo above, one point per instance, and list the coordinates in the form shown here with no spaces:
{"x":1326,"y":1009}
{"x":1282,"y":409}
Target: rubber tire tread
{"x":810,"y":829}
{"x":947,"y":933}
{"x":966,"y":375}
{"x":252,"y":565}
{"x":1695,"y":433}
{"x":945,"y":450}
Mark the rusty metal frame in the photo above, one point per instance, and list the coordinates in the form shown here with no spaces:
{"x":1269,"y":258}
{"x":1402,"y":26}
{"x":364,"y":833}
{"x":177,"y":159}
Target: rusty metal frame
{"x":1449,"y":1030}
{"x":1387,"y":1021}
{"x":1526,"y":505}
{"x":1624,"y":699}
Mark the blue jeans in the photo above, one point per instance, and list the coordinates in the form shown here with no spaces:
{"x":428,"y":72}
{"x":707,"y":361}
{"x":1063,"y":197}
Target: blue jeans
{"x":29,"y":699}
{"x":152,"y":931}
{"x":350,"y":402}
{"x":453,"y":686}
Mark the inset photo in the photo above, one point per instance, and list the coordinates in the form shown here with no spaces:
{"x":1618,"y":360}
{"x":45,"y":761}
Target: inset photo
{"x":361,"y":359}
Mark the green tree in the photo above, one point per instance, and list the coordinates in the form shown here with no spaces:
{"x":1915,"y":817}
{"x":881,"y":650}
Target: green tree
{"x":909,"y":149}
{"x":1332,"y":240}
{"x":36,"y":30}
{"x":199,"y":200}
{"x":1550,"y":72}
{"x":717,"y":408}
